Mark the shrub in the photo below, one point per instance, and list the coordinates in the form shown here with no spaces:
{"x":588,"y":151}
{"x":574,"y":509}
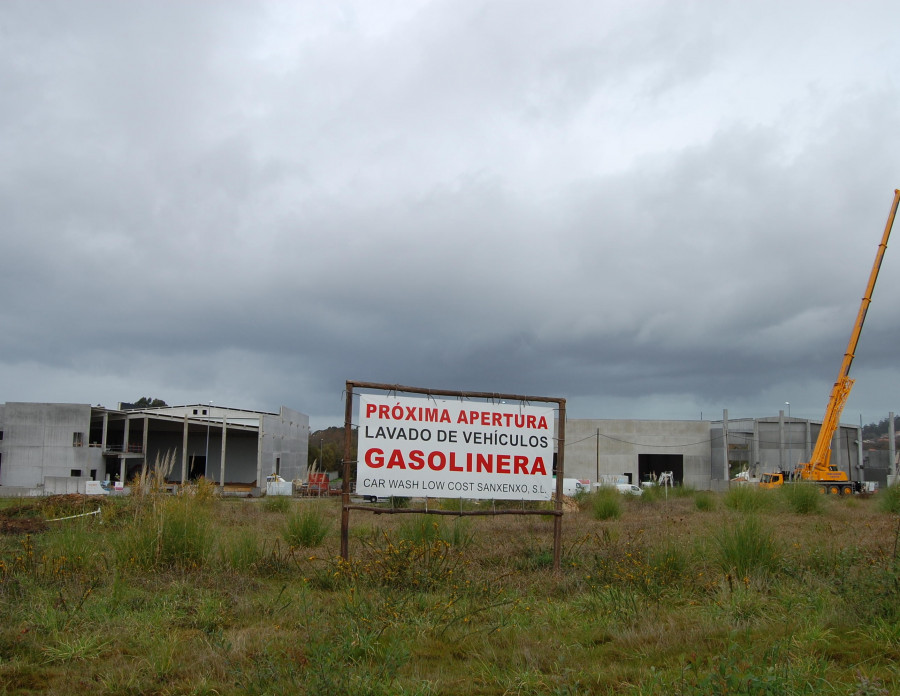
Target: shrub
{"x":802,"y":498}
{"x":606,"y":504}
{"x":889,"y":499}
{"x":744,"y":546}
{"x":307,"y":528}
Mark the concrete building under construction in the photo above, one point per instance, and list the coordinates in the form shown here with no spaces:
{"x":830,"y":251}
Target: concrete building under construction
{"x":695,"y":451}
{"x":55,"y":448}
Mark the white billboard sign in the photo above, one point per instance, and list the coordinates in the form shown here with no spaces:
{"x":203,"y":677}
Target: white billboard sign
{"x":413,"y":447}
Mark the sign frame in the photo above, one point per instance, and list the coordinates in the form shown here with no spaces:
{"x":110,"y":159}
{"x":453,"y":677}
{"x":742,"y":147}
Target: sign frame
{"x":347,"y":506}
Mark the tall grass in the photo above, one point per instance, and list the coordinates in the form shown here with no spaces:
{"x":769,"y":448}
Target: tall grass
{"x":802,"y":498}
{"x":174,"y":532}
{"x":276,"y":503}
{"x":748,"y":498}
{"x":889,"y":499}
{"x":655,"y":493}
{"x":667,"y":600}
{"x":704,"y":501}
{"x":241,"y":551}
{"x":745,"y":546}
{"x":306,"y":528}
{"x":421,"y":530}
{"x":426,"y":530}
{"x":166,"y":531}
{"x":606,"y":504}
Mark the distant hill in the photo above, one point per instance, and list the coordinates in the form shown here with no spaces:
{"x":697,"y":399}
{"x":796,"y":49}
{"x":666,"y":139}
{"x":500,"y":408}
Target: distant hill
{"x":330,"y":436}
{"x":328,"y":446}
{"x":875,"y":434}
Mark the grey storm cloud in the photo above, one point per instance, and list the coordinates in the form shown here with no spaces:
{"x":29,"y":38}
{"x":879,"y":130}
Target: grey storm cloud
{"x":655,"y":209}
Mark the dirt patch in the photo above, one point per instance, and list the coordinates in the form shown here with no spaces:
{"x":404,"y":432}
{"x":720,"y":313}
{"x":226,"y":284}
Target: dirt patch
{"x":22,"y":525}
{"x":31,"y":516}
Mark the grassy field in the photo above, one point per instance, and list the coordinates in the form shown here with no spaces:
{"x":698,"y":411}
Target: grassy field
{"x":749,"y":592}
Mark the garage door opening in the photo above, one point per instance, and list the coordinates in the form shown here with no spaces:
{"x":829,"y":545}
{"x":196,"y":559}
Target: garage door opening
{"x":650,"y":466}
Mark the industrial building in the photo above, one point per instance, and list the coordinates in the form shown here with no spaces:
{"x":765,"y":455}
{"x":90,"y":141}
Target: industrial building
{"x":639,"y":450}
{"x":55,"y":448}
{"x":694,"y":451}
{"x":764,"y":445}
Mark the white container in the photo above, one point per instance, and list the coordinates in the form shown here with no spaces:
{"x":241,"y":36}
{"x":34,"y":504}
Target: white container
{"x":279,"y":488}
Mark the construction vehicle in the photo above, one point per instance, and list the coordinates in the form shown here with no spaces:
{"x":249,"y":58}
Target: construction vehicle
{"x":819,"y":470}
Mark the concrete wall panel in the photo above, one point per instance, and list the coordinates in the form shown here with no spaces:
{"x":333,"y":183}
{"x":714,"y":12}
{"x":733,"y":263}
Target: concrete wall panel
{"x":612,"y":447}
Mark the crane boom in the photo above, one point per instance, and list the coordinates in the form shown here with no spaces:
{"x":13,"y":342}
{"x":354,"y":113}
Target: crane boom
{"x":819,"y":468}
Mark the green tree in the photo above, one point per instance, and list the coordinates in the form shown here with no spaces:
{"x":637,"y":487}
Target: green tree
{"x":148,"y":402}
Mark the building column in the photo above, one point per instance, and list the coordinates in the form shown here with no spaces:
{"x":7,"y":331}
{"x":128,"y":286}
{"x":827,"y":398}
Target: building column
{"x":260,"y":477}
{"x":725,"y":468}
{"x":124,"y":451}
{"x":184,"y":446}
{"x":222,"y":464}
{"x":146,"y":439}
{"x":860,"y":464}
{"x":781,"y":440}
{"x":892,"y":453}
{"x":754,"y":464}
{"x":807,"y":452}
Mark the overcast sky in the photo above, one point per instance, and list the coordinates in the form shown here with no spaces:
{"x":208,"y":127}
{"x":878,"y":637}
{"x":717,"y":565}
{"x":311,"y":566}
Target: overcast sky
{"x":652,"y":209}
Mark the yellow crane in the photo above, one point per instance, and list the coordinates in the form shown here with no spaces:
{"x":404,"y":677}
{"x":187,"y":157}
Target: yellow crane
{"x":819,"y":469}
